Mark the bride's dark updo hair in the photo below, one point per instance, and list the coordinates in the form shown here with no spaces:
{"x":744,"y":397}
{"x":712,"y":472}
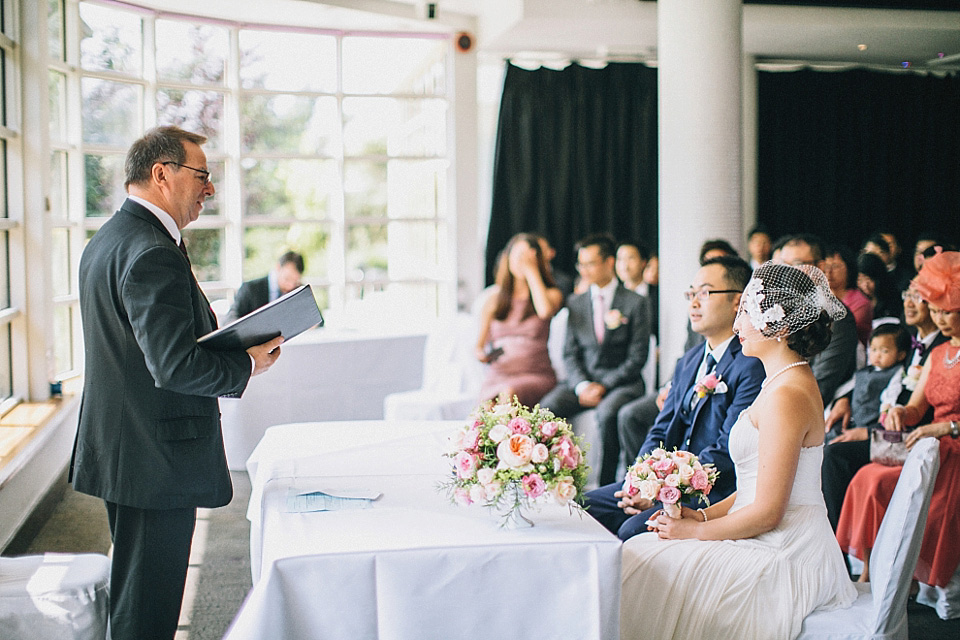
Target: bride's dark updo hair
{"x":813,"y":338}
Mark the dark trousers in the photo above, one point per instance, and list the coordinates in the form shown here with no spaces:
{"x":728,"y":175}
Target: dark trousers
{"x":563,"y":402}
{"x":602,"y":505}
{"x":841,"y":461}
{"x":633,"y":422}
{"x":151,"y":551}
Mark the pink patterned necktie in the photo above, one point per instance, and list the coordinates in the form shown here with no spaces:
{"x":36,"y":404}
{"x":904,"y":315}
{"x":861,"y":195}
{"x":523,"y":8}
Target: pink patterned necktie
{"x":599,"y":310}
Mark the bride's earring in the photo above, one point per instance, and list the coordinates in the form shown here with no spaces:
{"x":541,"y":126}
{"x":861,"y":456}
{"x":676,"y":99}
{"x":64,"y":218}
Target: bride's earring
{"x":779,"y":339}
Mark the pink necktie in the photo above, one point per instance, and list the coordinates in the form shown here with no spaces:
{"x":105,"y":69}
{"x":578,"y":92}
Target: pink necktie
{"x":598,"y":313}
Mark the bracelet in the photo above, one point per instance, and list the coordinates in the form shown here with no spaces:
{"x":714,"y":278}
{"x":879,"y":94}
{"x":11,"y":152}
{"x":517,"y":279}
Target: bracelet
{"x":704,"y":513}
{"x":954,"y":429}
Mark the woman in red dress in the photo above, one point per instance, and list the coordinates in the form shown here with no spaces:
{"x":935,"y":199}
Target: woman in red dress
{"x":870,"y":491}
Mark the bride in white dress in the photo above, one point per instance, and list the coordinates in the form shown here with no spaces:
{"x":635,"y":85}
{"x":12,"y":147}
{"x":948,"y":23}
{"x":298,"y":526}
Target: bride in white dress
{"x":754,"y":565}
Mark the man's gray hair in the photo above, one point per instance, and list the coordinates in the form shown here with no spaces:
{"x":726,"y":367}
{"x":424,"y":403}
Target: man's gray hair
{"x":161,"y":144}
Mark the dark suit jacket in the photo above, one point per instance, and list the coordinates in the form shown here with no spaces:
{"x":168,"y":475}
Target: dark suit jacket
{"x":837,"y":363}
{"x":619,"y":360}
{"x":714,"y":415}
{"x":149,"y":431}
{"x":252,"y":295}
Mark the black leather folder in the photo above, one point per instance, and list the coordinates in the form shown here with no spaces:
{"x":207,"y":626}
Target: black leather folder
{"x":289,"y":315}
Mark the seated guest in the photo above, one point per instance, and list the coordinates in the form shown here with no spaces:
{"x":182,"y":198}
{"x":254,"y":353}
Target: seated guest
{"x":608,"y":336}
{"x":631,"y":265}
{"x":253,"y":294}
{"x":708,"y":250}
{"x":925,"y":241}
{"x":834,"y":365}
{"x":875,"y":283}
{"x":840,"y":267}
{"x":847,"y":452}
{"x":759,"y":246}
{"x":700,"y":425}
{"x":515,"y":324}
{"x":869,"y":493}
{"x":563,"y":280}
{"x":900,"y":273}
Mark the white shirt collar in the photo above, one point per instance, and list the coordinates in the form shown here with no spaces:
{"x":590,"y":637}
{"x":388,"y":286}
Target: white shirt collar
{"x":165,"y":219}
{"x":717,"y":351}
{"x":273,"y":288}
{"x":926,"y":341}
{"x":606,"y":291}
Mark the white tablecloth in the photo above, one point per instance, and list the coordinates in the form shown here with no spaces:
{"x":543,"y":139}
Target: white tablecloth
{"x":322,"y":375}
{"x":413,"y":566}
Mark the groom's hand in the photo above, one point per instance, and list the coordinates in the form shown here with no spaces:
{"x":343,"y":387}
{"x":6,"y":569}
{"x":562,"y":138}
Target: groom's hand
{"x":632,"y":505}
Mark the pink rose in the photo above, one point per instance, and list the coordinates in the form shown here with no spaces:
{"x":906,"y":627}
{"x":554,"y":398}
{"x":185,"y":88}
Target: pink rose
{"x":462,"y":496}
{"x":549,"y":429}
{"x":540,"y":453}
{"x":466,"y":464}
{"x":519,"y":425}
{"x":470,"y":439}
{"x":515,"y":451}
{"x":567,"y":452}
{"x":710,"y":382}
{"x":663,"y":467}
{"x":669,"y":495}
{"x":700,"y":481}
{"x":533,"y":485}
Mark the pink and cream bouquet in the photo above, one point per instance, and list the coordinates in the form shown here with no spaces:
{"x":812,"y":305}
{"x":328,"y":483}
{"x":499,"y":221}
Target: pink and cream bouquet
{"x":509,"y":456}
{"x":670,"y":477}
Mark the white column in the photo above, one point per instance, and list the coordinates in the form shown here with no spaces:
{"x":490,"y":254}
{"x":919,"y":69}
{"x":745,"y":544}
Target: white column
{"x":750,"y":125}
{"x":699,"y":45}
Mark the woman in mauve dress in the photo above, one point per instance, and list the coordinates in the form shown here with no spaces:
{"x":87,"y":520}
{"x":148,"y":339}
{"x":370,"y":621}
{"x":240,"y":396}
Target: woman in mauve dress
{"x":515,"y":325}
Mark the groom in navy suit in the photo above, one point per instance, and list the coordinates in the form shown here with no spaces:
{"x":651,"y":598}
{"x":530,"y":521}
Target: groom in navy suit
{"x":700,"y":425}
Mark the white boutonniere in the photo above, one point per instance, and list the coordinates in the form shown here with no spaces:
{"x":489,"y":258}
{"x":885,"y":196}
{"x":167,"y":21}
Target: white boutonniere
{"x":613,"y":319}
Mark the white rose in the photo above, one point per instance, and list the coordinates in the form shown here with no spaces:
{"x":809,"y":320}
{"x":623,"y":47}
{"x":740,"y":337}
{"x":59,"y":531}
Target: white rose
{"x":499,"y":432}
{"x":477,"y":493}
{"x":672,"y":480}
{"x":685,"y":472}
{"x":485,"y":475}
{"x":492,"y":490}
{"x":540,"y":453}
{"x":649,"y":489}
{"x":564,"y":492}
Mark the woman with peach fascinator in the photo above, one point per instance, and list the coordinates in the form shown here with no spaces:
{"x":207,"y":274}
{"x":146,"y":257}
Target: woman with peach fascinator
{"x":869,"y":493}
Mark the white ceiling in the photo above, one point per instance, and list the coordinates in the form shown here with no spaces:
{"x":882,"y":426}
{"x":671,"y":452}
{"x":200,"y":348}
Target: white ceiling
{"x":585,"y":29}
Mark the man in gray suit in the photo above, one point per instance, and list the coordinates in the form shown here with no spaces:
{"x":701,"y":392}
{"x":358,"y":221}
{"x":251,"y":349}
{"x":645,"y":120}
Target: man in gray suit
{"x":149,"y":441}
{"x":608,"y":336}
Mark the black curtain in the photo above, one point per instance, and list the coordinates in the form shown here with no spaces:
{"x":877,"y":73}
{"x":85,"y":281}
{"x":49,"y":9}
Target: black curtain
{"x":576,"y":153}
{"x":842,"y":154}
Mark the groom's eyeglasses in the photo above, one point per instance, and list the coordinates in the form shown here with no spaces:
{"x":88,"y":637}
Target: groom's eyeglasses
{"x":704,"y":294}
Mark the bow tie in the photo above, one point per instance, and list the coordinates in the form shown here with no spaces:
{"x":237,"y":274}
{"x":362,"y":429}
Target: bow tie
{"x":917,"y":345}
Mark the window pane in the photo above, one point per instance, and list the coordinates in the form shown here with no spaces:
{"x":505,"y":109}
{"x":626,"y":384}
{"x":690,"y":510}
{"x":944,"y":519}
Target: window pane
{"x":4,"y":271}
{"x":55,"y":29}
{"x":111,"y":112}
{"x":302,"y":189}
{"x":396,"y":250}
{"x":419,"y":301}
{"x":394,"y":65}
{"x":197,"y":111}
{"x":288,"y":61}
{"x":380,"y":126}
{"x":112,"y":40}
{"x":4,"y":182}
{"x":416,"y":188}
{"x":211,"y":206}
{"x":194,"y":53}
{"x":365,"y":188}
{"x":60,"y":261}
{"x":263,"y":245}
{"x":289,"y":124}
{"x":58,"y":106}
{"x":3,"y":86}
{"x":104,"y":184}
{"x":63,"y":338}
{"x":58,"y":185}
{"x":6,"y":363}
{"x":206,"y":252}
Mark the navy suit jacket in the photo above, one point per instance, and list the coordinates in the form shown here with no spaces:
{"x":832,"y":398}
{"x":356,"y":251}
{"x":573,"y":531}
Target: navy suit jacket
{"x":619,"y":359}
{"x":714,"y":415}
{"x":149,"y":433}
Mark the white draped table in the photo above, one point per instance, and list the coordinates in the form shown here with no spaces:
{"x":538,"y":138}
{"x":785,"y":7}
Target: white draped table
{"x":413,"y":566}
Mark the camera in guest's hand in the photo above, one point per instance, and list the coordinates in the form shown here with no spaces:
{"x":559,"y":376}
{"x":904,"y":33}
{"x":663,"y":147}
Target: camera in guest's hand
{"x":492,"y":352}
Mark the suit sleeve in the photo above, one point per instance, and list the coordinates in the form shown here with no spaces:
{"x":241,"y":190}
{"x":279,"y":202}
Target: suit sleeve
{"x":631,"y":368}
{"x":157,"y":296}
{"x":572,"y":349}
{"x":658,"y":432}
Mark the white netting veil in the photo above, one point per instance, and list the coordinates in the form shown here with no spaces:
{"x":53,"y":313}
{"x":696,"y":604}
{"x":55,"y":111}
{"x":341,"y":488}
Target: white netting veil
{"x":781,"y":299}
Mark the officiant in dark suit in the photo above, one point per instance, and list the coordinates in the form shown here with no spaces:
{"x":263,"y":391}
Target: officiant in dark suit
{"x":149,"y":441}
{"x":608,"y":337}
{"x":698,"y":424}
{"x":253,"y":294}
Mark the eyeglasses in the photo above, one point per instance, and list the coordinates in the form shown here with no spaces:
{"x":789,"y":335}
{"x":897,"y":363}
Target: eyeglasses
{"x":587,"y":265}
{"x":704,"y":294}
{"x":203,"y":173}
{"x":911,"y":295}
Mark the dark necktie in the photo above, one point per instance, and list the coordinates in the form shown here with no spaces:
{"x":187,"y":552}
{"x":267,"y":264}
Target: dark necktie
{"x":690,"y":400}
{"x":183,"y":250}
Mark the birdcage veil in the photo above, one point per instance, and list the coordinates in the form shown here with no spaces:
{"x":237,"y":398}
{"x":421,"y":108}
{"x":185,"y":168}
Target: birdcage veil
{"x":781,"y":299}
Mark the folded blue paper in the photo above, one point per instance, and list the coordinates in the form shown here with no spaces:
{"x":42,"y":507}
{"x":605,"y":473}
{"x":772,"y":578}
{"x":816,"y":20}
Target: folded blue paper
{"x":305,"y":501}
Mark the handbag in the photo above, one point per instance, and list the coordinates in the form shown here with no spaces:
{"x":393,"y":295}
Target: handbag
{"x":888,"y":447}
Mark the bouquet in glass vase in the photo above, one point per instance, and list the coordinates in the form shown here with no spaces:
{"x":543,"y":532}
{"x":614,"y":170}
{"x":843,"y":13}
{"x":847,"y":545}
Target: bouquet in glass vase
{"x":670,"y":477}
{"x":509,"y":457}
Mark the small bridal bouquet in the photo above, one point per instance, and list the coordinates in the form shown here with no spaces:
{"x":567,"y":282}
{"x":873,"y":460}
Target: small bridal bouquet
{"x":509,"y":456}
{"x":670,"y":477}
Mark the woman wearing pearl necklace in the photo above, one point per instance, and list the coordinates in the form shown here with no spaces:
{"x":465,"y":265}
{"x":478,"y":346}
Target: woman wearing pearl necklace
{"x":870,"y":490}
{"x":755,"y":564}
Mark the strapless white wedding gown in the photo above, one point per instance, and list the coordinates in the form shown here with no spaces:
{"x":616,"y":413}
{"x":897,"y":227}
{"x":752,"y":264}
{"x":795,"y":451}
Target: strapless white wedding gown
{"x":754,"y":588}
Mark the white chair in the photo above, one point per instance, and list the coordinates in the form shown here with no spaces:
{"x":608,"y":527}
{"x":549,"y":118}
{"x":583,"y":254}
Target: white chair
{"x":452,"y":376}
{"x":55,"y":596}
{"x":880,"y":611}
{"x":945,"y":600}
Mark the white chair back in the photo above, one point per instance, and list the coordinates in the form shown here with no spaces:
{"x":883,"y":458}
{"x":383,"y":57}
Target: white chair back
{"x":897,"y":546}
{"x":558,"y":335}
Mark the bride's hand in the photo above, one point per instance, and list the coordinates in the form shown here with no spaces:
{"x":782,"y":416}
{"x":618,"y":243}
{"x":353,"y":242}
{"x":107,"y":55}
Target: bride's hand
{"x":676,"y":528}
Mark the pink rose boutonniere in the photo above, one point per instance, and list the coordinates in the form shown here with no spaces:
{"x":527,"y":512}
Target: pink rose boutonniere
{"x":709,"y":385}
{"x":613,"y":319}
